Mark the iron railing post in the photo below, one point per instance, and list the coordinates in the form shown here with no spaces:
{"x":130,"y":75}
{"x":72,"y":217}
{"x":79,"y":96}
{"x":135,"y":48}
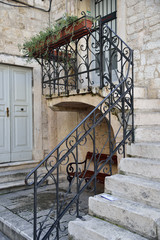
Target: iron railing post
{"x":35,"y":206}
{"x":109,"y":131}
{"x":110,"y":59}
{"x":101,"y":53}
{"x":76,"y":69}
{"x":132,"y":98}
{"x":77,"y":177}
{"x":57,"y":195}
{"x":42,"y":80}
{"x":94,"y":154}
{"x":123,"y":102}
{"x":87,"y":63}
{"x":49,"y":75}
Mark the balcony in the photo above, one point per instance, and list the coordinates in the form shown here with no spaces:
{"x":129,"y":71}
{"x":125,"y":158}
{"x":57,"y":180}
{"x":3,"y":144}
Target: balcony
{"x":84,"y":60}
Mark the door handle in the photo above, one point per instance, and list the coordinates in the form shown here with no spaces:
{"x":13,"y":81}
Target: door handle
{"x":7,"y":110}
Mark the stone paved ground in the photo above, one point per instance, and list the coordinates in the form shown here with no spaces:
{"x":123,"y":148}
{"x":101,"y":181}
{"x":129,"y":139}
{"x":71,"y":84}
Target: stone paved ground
{"x":16,"y":211}
{"x":3,"y":237}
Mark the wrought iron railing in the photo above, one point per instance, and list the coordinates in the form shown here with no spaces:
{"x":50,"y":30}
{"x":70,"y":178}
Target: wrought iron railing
{"x":95,"y":56}
{"x":119,"y":102}
{"x":106,"y":129}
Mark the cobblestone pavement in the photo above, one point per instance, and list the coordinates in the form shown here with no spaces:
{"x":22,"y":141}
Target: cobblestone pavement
{"x":3,"y":237}
{"x":16,"y":211}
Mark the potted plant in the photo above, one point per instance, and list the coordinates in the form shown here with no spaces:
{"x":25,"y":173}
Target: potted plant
{"x":67,"y":29}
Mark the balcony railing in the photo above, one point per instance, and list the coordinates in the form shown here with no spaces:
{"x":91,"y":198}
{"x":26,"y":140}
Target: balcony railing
{"x":93,"y":57}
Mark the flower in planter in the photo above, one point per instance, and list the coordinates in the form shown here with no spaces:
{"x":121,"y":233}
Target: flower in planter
{"x":65,"y":30}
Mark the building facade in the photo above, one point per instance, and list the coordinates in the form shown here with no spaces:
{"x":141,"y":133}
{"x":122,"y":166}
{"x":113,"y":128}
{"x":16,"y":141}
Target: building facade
{"x":137,"y":24}
{"x":32,"y":123}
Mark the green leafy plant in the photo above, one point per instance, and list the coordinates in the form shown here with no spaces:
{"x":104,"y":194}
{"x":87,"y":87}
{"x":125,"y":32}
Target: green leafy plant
{"x":38,"y":43}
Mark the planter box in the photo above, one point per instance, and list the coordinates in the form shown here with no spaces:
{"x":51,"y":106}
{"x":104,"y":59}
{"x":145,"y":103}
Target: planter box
{"x":74,"y":31}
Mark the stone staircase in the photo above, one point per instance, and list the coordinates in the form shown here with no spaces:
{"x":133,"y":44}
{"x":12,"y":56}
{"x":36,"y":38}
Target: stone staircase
{"x":12,"y":175}
{"x":129,"y":208}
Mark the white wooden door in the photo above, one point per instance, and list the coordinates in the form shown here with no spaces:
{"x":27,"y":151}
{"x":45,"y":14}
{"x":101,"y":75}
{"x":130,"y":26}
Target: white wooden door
{"x":4,"y":120}
{"x":17,"y":114}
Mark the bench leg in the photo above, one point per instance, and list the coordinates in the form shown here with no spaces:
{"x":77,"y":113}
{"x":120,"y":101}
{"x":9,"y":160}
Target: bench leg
{"x":70,"y":181}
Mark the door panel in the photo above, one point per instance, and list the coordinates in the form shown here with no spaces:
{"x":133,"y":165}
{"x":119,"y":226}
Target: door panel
{"x":21,"y":123}
{"x":4,"y":120}
{"x":20,"y":132}
{"x":16,"y":128}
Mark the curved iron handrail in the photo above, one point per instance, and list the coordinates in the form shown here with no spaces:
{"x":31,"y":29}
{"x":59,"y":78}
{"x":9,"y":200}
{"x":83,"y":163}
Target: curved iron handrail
{"x":118,"y":102}
{"x":64,"y":140}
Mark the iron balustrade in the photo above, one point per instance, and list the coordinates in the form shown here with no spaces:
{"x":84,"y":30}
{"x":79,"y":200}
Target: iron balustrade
{"x":97,"y":57}
{"x":119,"y":102}
{"x":87,"y":136}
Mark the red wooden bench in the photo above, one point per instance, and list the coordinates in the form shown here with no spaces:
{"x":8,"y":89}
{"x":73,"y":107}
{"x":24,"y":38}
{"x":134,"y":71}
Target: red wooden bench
{"x":87,"y":174}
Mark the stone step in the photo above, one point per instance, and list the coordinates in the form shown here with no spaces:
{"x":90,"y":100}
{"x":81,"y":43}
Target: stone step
{"x":147,"y":118}
{"x":16,"y":175}
{"x":3,"y":237}
{"x":147,"y":134}
{"x":15,"y":227}
{"x":144,"y":150}
{"x":134,"y":188}
{"x":147,"y":104}
{"x":97,"y":229}
{"x":140,"y":92}
{"x":18,"y":165}
{"x":136,"y":217}
{"x":141,"y":167}
{"x":12,"y":186}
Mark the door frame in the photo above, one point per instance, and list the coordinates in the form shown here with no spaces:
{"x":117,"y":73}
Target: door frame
{"x":20,"y":154}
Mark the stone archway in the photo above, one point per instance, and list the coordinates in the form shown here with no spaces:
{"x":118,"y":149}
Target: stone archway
{"x":72,"y":110}
{"x":76,"y":108}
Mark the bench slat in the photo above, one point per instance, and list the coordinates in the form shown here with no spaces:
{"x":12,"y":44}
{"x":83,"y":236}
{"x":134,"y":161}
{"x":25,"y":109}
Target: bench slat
{"x":87,"y":174}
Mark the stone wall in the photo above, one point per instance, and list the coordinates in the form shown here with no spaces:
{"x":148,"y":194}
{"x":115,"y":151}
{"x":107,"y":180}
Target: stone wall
{"x":138,"y":25}
{"x":16,"y":25}
{"x":143,"y":35}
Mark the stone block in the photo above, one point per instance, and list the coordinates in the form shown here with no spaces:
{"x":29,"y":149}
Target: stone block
{"x":139,"y":25}
{"x":149,"y":71}
{"x":97,"y":229}
{"x":152,"y":92}
{"x":153,"y":45}
{"x":145,"y":150}
{"x":153,"y":58}
{"x":145,"y":168}
{"x":147,"y":104}
{"x":146,"y":118}
{"x":150,"y":11}
{"x":133,"y":216}
{"x":130,"y":11}
{"x":147,"y":134}
{"x":149,"y":3}
{"x":135,"y":18}
{"x":140,"y":92}
{"x":155,"y":82}
{"x":154,"y":20}
{"x":143,"y":59}
{"x":131,"y":3}
{"x":134,"y":188}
